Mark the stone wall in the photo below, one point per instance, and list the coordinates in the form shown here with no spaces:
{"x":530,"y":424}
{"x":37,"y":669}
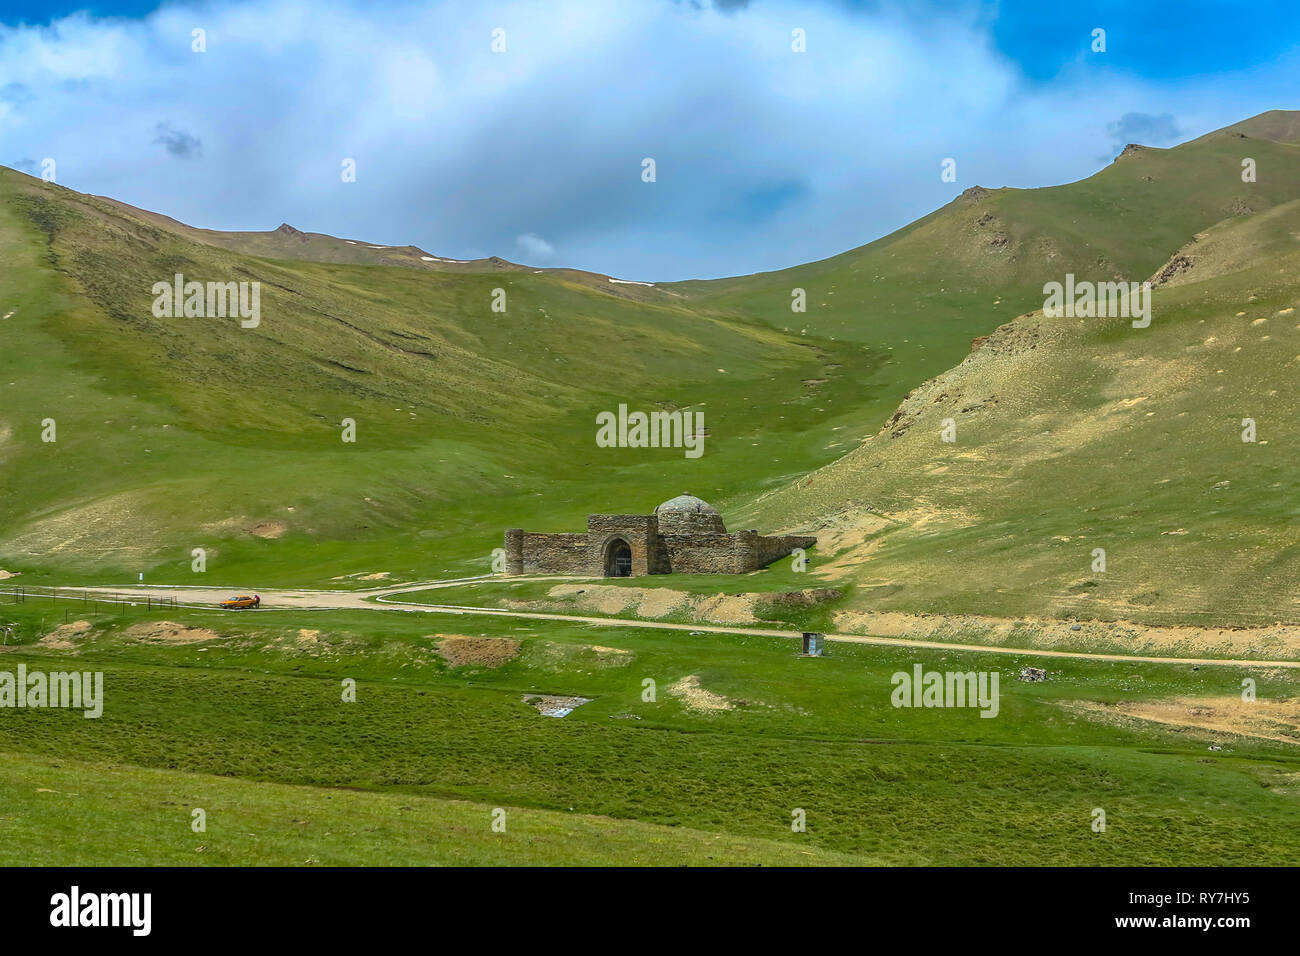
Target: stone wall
{"x":736,"y":553}
{"x":699,"y":552}
{"x":515,"y":551}
{"x":632,"y":524}
{"x":690,"y":522}
{"x":759,"y":550}
{"x":552,"y":553}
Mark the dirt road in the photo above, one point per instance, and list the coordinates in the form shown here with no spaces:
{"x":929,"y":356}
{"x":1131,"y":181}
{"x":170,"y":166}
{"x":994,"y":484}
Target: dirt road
{"x":382,"y":598}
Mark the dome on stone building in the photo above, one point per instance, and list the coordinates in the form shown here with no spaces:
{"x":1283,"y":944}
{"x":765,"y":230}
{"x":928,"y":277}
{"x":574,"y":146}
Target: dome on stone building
{"x":687,"y":503}
{"x":687,"y":515}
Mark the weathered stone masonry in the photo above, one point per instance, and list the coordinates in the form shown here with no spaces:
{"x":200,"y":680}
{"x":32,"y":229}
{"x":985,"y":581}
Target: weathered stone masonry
{"x":684,"y":536}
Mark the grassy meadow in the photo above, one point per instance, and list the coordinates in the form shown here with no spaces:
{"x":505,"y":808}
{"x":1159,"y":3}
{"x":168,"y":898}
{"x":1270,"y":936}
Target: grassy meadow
{"x":250,"y":725}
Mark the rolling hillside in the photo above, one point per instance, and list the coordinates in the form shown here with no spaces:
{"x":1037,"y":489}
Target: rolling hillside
{"x":175,"y":433}
{"x":195,"y":432}
{"x":921,"y":294}
{"x":1080,"y":433}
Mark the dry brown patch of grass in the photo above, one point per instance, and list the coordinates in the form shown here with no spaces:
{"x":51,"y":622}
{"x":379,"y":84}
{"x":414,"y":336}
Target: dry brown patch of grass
{"x":1277,"y":720}
{"x":1275,"y":642}
{"x":695,"y":697}
{"x":727,"y":609}
{"x":169,"y":632}
{"x":66,"y":636}
{"x":459,"y":650}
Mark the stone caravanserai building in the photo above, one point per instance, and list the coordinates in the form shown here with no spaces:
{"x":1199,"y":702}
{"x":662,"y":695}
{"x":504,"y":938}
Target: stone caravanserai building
{"x":684,"y":536}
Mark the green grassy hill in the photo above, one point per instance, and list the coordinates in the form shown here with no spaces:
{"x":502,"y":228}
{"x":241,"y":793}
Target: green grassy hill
{"x":1075,"y":434}
{"x":921,"y":294}
{"x":1281,"y":126}
{"x":148,"y":814}
{"x":192,"y":432}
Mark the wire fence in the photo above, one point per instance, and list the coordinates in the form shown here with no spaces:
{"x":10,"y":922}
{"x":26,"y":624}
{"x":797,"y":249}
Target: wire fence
{"x":74,"y":604}
{"x":88,"y":602}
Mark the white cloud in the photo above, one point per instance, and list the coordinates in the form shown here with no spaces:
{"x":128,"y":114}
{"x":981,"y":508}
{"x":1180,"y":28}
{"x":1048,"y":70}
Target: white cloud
{"x":534,"y":248}
{"x":765,"y":157}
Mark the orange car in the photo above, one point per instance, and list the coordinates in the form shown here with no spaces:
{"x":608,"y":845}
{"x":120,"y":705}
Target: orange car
{"x":241,"y":601}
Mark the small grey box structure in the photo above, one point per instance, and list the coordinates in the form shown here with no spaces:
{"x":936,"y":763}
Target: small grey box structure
{"x":812,"y":643}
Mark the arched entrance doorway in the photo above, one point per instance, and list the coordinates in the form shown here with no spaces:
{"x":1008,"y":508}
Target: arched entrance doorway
{"x":618,"y":559}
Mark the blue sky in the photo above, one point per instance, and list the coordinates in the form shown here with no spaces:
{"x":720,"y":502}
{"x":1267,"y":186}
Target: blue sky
{"x":765,"y":157}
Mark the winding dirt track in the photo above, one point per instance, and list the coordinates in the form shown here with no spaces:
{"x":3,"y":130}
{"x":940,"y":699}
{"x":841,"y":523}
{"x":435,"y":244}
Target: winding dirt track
{"x":381,"y":599}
